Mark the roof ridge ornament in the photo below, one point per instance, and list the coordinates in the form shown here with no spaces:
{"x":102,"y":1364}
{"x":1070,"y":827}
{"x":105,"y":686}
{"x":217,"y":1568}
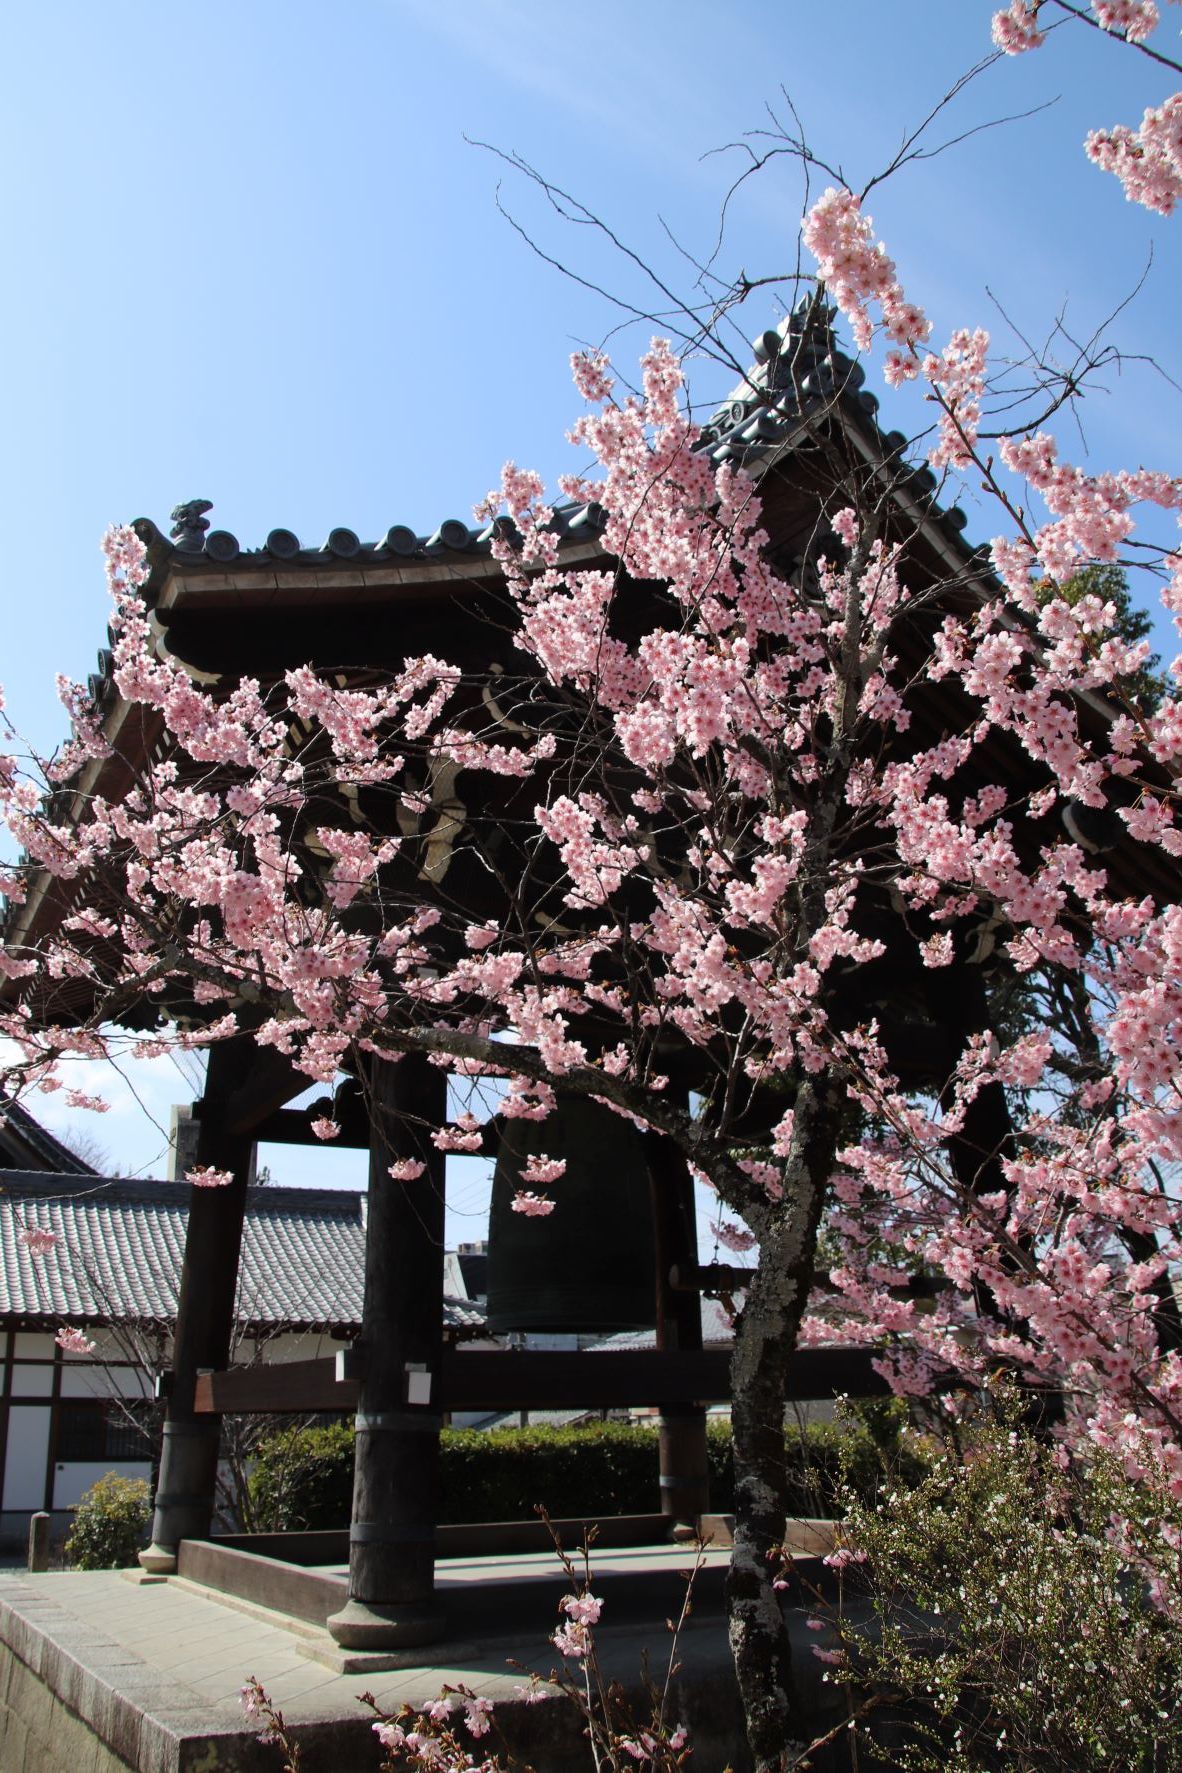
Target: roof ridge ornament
{"x":189,"y":524}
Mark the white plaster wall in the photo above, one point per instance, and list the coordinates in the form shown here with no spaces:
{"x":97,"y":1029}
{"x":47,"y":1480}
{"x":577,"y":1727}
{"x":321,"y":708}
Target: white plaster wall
{"x":453,"y":1276}
{"x":107,"y":1347}
{"x":28,"y":1450}
{"x":32,"y":1345}
{"x":30,"y":1381}
{"x":99,"y":1381}
{"x":290,"y":1346}
{"x":102,"y":1374}
{"x":71,"y":1481}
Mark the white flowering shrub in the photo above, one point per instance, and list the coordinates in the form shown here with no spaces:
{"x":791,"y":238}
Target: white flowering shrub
{"x":1023,"y":1614}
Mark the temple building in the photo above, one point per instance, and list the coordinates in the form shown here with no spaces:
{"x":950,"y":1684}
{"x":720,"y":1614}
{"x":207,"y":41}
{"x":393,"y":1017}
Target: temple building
{"x":67,"y":1418}
{"x":801,"y":423}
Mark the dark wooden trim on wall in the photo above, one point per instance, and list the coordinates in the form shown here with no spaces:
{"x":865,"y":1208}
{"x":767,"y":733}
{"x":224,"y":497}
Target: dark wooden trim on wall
{"x":5,"y":1410}
{"x":55,"y":1406}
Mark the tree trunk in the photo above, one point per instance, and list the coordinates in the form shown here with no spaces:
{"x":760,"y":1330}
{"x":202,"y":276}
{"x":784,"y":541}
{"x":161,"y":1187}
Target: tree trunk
{"x":765,"y":1339}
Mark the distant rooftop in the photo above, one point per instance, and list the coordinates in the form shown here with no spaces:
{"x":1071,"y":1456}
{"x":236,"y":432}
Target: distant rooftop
{"x":718,"y":1331}
{"x":119,"y":1258}
{"x":25,"y":1145}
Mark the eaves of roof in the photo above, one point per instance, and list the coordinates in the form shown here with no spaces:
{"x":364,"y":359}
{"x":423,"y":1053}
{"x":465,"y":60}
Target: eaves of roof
{"x":25,"y":1143}
{"x":799,"y":376}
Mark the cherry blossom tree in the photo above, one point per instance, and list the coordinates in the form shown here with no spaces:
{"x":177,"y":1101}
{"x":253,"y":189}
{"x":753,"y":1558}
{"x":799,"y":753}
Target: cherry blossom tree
{"x":772,"y":841}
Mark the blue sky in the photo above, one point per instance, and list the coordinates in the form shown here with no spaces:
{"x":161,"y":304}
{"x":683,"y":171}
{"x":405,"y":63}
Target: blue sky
{"x":251,"y":256}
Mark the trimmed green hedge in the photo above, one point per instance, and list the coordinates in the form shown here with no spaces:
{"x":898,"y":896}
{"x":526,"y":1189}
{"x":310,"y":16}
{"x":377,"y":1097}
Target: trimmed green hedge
{"x":303,"y":1478}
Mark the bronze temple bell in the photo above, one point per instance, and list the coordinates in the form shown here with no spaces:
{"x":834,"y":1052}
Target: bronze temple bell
{"x":589,"y":1266}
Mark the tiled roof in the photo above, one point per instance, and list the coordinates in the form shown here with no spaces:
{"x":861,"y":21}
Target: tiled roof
{"x":25,"y":1145}
{"x":799,"y":373}
{"x":303,"y":1253}
{"x":193,"y":543}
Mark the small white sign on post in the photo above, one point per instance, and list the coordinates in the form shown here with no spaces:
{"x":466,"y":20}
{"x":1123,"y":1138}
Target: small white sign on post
{"x":418,"y":1384}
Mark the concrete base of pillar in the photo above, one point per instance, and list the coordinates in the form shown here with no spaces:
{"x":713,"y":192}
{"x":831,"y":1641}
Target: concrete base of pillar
{"x":373,"y":1662}
{"x":158,"y":1560}
{"x":374,"y":1630}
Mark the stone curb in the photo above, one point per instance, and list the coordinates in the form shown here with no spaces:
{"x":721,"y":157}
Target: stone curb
{"x":154,"y":1724}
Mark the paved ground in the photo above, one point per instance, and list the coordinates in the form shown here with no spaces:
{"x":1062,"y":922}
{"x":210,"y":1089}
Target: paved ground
{"x":210,"y":1645}
{"x":155,"y":1669}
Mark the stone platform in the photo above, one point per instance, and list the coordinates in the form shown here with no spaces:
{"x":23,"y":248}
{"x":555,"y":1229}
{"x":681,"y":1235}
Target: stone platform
{"x":106,"y":1673}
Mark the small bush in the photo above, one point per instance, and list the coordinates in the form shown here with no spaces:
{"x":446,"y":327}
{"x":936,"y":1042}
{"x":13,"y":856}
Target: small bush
{"x":302,"y":1480}
{"x":110,"y":1524}
{"x":303,"y":1477}
{"x":1015,"y":1623}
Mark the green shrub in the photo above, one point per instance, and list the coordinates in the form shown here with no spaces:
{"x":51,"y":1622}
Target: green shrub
{"x":110,"y":1524}
{"x":1012,"y":1629}
{"x":827,"y":1459}
{"x":303,"y":1477}
{"x":500,"y":1475}
{"x":302,"y":1480}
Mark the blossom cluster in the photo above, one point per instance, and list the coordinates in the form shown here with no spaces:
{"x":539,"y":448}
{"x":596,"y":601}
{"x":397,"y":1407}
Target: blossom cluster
{"x":1148,"y":160}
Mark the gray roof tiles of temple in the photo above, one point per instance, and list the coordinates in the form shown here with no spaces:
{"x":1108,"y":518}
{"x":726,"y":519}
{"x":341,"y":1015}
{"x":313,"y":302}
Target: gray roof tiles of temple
{"x":799,"y":371}
{"x":303,"y":1253}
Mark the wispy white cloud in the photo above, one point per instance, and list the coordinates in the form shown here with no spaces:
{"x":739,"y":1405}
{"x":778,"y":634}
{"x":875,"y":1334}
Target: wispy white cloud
{"x":139,"y":1093}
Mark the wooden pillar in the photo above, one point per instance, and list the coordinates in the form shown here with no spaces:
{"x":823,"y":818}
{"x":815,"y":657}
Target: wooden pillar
{"x":684,"y":1469}
{"x":396,"y":1476}
{"x":205,"y":1318}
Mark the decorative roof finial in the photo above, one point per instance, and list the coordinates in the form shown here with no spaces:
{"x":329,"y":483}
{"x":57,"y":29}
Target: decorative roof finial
{"x":189,"y":524}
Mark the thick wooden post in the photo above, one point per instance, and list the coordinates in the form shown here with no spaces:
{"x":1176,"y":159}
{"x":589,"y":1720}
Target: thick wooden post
{"x":396,"y":1476}
{"x":685,"y":1493}
{"x":205,"y":1319}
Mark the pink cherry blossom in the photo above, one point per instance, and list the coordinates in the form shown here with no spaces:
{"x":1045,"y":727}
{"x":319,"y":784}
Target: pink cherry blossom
{"x":534,"y":1206}
{"x":37,"y":1239}
{"x":540,"y":1171}
{"x":477,"y":1712}
{"x":206,"y":1176}
{"x":857,"y":271}
{"x":1015,"y":27}
{"x":406,"y":1169}
{"x":583,"y":1608}
{"x":734,"y":1237}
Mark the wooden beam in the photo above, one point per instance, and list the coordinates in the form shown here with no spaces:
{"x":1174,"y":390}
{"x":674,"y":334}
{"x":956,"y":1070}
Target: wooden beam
{"x":529,"y":1380}
{"x":293,"y":1126}
{"x":269,"y":1083}
{"x":280,"y":1388}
